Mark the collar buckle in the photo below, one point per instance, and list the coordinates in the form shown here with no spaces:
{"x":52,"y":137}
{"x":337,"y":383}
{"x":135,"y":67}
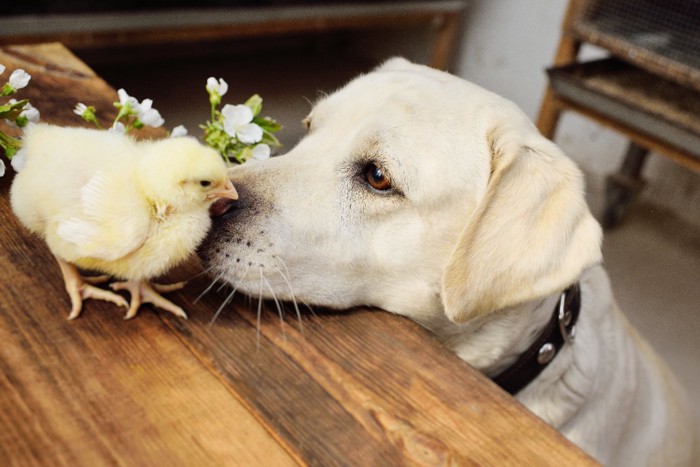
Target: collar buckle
{"x":565,"y":318}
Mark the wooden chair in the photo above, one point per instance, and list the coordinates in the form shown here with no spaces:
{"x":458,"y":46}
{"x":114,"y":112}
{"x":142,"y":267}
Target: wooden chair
{"x":649,"y":90}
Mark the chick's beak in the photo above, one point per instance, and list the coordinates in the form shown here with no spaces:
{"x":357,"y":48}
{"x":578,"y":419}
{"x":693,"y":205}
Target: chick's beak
{"x":227,"y":191}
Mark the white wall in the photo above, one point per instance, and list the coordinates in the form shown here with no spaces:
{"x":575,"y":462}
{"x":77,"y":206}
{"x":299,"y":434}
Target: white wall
{"x":507,"y":45}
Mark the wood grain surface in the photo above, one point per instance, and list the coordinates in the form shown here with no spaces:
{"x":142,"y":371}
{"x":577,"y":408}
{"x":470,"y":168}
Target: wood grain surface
{"x":360,"y":387}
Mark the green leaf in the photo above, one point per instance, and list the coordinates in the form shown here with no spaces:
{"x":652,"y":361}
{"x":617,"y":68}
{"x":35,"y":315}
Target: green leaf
{"x":245,"y":154}
{"x":12,"y":111}
{"x":267,"y":124}
{"x":6,"y":90}
{"x":270,"y":140}
{"x":255,"y":103}
{"x":10,"y":151}
{"x":9,"y":144}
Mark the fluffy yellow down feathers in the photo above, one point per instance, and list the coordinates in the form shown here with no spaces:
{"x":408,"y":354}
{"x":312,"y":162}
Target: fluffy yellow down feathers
{"x":129,"y":209}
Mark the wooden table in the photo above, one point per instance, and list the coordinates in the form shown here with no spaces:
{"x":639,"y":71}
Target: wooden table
{"x":361,"y":387}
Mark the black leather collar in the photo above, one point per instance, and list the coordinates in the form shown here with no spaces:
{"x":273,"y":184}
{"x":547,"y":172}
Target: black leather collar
{"x":559,"y":331}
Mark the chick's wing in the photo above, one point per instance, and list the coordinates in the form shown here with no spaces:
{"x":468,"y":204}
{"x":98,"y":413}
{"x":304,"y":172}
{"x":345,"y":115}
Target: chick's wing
{"x":113,"y":219}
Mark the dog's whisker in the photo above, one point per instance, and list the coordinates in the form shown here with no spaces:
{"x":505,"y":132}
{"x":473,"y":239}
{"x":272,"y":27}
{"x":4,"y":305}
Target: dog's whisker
{"x":226,"y":302}
{"x":286,"y":278}
{"x":277,"y":304}
{"x":201,"y":273}
{"x":206,"y":291}
{"x":257,"y":337}
{"x":229,"y":298}
{"x":294,"y":300}
{"x":309,"y":307}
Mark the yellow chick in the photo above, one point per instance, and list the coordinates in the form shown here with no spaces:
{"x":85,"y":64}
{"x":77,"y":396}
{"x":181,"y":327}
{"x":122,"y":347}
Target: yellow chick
{"x":105,"y":202}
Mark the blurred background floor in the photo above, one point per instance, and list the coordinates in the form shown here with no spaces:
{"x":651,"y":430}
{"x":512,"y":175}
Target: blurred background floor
{"x":653,"y":257}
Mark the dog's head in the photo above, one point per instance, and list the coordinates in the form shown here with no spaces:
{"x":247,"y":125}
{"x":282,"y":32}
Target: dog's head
{"x":413,"y":191}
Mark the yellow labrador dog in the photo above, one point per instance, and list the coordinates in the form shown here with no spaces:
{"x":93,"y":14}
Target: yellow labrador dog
{"x":424,"y":195}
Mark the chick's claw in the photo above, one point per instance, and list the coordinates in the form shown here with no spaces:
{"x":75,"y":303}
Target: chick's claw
{"x":95,"y":280}
{"x":145,"y":292}
{"x":80,"y":288}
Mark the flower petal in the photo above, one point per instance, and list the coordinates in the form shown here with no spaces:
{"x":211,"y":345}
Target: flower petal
{"x":118,"y":127}
{"x":18,"y":161}
{"x":211,"y":84}
{"x":178,"y":131}
{"x":237,"y":115}
{"x":223,"y":87}
{"x":2,"y":69}
{"x":145,"y":105}
{"x":123,"y":96}
{"x":80,"y":109}
{"x":261,"y":152}
{"x":151,"y":118}
{"x":2,"y":168}
{"x":19,"y":79}
{"x":126,"y":99}
{"x":249,"y":134}
{"x":31,"y":113}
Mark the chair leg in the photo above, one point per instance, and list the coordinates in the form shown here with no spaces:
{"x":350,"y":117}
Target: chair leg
{"x":622,"y":187}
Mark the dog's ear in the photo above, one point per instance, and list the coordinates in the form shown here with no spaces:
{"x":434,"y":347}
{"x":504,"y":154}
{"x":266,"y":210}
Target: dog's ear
{"x":532,"y":234}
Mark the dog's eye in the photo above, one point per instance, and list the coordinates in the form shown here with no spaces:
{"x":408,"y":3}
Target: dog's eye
{"x":205,"y":183}
{"x":376,"y":178}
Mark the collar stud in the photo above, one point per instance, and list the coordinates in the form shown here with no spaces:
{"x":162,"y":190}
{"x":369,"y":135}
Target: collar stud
{"x":546,"y":353}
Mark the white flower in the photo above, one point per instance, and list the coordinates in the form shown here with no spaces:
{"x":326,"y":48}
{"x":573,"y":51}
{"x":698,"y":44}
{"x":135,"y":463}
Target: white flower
{"x":31,"y":113}
{"x":237,"y":123}
{"x":19,"y":79}
{"x":125,"y":99}
{"x":80,"y":109}
{"x":2,"y":68}
{"x":118,"y":127}
{"x":261,"y":152}
{"x":18,"y":161}
{"x":2,"y":167}
{"x":179,"y":130}
{"x":219,"y":87}
{"x":148,"y":115}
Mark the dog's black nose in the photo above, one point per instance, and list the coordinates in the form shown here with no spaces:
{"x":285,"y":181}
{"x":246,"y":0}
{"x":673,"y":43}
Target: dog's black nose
{"x":222,"y":206}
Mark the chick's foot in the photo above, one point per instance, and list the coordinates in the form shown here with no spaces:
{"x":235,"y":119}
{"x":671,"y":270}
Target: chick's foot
{"x":145,"y":292}
{"x":80,"y":288}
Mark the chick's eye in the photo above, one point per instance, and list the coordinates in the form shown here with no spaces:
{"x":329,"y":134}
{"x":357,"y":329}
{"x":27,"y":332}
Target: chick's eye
{"x":376,"y":178}
{"x":205,"y":183}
